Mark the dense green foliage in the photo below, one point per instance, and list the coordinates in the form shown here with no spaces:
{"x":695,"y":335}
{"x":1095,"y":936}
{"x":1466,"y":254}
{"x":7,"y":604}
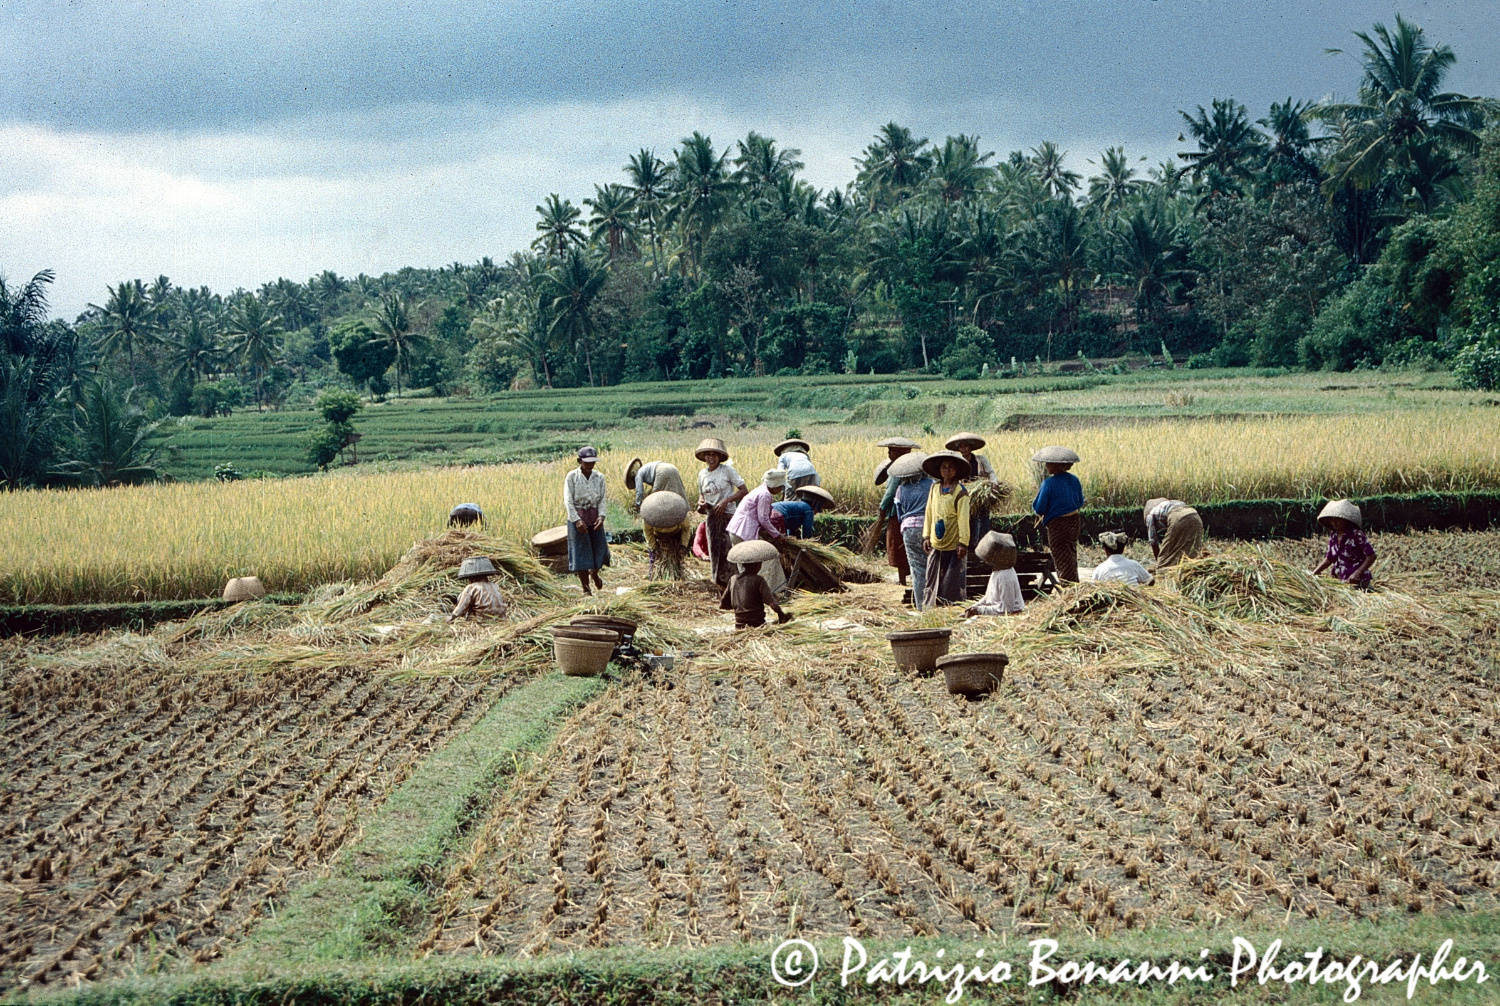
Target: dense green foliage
{"x":1327,"y":235}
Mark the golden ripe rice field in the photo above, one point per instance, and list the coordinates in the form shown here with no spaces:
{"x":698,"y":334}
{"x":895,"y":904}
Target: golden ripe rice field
{"x":184,"y":540}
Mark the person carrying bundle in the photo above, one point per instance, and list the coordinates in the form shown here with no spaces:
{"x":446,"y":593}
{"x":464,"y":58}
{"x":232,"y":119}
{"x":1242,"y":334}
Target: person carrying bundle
{"x":720,"y":488}
{"x":797,"y":514}
{"x":792,"y":458}
{"x":748,"y":594}
{"x":1002,"y":596}
{"x":583,"y":499}
{"x":753,"y":521}
{"x":945,"y":529}
{"x":655,"y":476}
{"x":480,"y":598}
{"x":1349,"y":552}
{"x":895,"y":545}
{"x":1174,"y":530}
{"x":466,"y":514}
{"x":1057,"y":506}
{"x":1116,"y":565}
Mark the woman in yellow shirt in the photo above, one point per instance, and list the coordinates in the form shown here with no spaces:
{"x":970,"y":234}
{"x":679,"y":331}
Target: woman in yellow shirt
{"x":945,"y":529}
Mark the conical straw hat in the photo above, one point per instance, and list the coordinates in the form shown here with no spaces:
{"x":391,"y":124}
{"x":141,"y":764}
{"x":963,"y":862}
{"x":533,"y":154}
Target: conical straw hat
{"x":711,"y":444}
{"x":898,"y":442}
{"x":1057,"y":455}
{"x":792,"y":443}
{"x":664,"y":509}
{"x":477,"y":565}
{"x":1344,"y":509}
{"x":1151,"y":504}
{"x":907,"y":465}
{"x":244,"y":588}
{"x":931,"y":463}
{"x":630,"y":470}
{"x":818,"y":491}
{"x":964,"y":438}
{"x":753,"y":551}
{"x":997,"y":549}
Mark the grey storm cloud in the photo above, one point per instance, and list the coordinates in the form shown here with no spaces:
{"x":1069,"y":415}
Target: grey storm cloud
{"x":1084,"y":64}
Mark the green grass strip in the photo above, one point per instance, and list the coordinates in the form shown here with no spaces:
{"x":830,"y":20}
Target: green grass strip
{"x":378,"y":892}
{"x":742,"y":972}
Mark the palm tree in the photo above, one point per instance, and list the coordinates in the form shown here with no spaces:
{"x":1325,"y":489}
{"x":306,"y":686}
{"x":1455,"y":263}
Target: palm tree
{"x":23,"y":312}
{"x":392,"y":324}
{"x":571,"y":286}
{"x":613,"y":218}
{"x":1150,"y":252}
{"x":1288,"y":155}
{"x":1113,"y":187}
{"x":894,"y":164}
{"x":701,"y":192}
{"x":1401,"y":107}
{"x":1168,"y":179}
{"x":254,"y":337}
{"x":761,"y":168}
{"x":1229,"y":146}
{"x":650,"y":183}
{"x":127,"y":320}
{"x":1047,"y":161}
{"x":559,"y":226}
{"x":109,"y":441}
{"x":195,"y":352}
{"x":513,"y":321}
{"x":959,"y":171}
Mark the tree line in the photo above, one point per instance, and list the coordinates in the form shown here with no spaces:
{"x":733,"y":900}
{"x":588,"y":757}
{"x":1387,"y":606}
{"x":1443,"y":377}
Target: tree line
{"x":1333,"y":234}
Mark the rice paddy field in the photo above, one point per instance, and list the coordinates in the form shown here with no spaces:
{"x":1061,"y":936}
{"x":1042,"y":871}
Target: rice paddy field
{"x":184,"y":540}
{"x":1240,"y":747}
{"x":349,"y":799}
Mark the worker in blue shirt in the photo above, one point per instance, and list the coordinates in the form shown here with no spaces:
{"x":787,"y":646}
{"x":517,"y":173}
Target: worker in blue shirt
{"x":798,"y":513}
{"x":1057,"y":506}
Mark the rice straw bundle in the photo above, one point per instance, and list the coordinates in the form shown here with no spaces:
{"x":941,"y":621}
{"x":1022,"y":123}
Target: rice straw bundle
{"x":986,"y":496}
{"x":668,"y":548}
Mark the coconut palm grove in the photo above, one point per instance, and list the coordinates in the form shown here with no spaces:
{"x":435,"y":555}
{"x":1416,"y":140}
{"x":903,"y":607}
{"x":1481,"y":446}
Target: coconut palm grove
{"x":1333,"y":234}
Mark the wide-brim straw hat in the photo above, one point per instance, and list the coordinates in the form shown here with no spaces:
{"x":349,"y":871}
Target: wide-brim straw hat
{"x":907,"y":465}
{"x":476,"y":566}
{"x":664,"y":509}
{"x":794,"y":442}
{"x":630,"y":472}
{"x":244,"y":588}
{"x":1057,"y":456}
{"x":997,"y":549}
{"x":711,"y":444}
{"x":883,"y":471}
{"x":1344,"y":509}
{"x":898,"y":442}
{"x":818,"y":491}
{"x":958,"y":439}
{"x":753,"y":551}
{"x":1151,"y":504}
{"x":931,"y":463}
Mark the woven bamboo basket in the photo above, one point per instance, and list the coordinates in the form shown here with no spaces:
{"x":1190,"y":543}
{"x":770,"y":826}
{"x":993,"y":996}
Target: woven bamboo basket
{"x":553,"y":541}
{"x":917,"y":650}
{"x":583,"y":651}
{"x":972,"y":674}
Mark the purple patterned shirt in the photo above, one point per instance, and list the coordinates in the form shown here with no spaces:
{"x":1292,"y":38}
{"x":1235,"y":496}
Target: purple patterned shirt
{"x":1348,"y":552}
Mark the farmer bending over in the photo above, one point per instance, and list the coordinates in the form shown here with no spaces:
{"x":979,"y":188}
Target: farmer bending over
{"x":480,"y":597}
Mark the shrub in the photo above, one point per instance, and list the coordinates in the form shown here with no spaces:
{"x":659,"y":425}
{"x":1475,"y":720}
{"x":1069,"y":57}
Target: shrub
{"x":1356,"y":328}
{"x":1478,"y":364}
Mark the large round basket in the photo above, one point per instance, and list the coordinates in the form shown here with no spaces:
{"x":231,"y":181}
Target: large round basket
{"x":244,"y":588}
{"x":624,"y":626}
{"x":581,"y":658}
{"x":592,"y":633}
{"x":973,"y":674}
{"x":664,"y":509}
{"x":553,"y":541}
{"x":918,"y":649}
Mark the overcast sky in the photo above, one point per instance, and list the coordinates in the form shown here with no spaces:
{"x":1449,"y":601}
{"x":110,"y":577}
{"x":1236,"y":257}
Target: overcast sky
{"x":230,"y":143}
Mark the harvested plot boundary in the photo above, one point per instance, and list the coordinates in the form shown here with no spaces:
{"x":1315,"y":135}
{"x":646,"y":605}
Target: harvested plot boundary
{"x":743,"y":973}
{"x":60,"y":619}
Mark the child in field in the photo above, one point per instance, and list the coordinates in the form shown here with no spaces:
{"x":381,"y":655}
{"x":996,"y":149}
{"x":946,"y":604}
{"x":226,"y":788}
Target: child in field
{"x":1349,"y":552}
{"x":480,"y":597}
{"x":747,"y":595}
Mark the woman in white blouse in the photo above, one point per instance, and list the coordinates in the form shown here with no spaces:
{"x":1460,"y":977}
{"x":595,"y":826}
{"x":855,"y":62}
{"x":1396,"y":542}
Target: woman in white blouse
{"x":720,"y":488}
{"x":583,"y":497}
